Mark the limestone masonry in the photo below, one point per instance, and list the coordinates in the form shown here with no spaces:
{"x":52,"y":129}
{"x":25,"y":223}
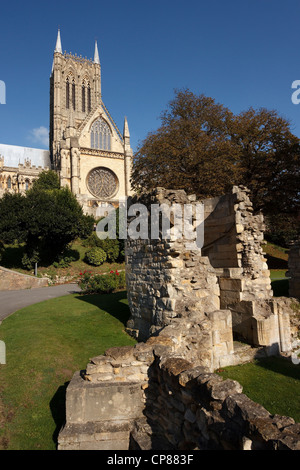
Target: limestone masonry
{"x":193,"y":310}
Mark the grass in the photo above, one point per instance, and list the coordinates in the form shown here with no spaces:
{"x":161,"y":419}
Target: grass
{"x":46,"y":344}
{"x":273,"y":382}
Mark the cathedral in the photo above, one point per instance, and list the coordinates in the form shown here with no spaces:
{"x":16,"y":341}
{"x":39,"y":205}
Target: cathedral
{"x":86,"y":148}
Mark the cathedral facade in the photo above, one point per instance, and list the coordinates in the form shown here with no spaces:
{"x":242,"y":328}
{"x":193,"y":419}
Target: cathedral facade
{"x":86,"y":148}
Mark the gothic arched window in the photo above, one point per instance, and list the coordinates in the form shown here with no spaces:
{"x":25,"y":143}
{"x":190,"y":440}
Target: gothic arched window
{"x":67,"y":93}
{"x":89,"y":98}
{"x":83,"y":97}
{"x":86,"y":95}
{"x":73,"y":95}
{"x":70,"y":92}
{"x":9,"y":182}
{"x":100,"y":135}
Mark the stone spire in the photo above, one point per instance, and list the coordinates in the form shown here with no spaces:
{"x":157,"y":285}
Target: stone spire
{"x":96,"y":55}
{"x":126,"y":133}
{"x":58,"y":47}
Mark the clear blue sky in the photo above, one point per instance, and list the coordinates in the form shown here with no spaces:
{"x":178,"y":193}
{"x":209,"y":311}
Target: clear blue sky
{"x":241,"y":52}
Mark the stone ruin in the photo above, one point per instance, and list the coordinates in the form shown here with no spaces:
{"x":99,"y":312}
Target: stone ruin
{"x":193,"y":310}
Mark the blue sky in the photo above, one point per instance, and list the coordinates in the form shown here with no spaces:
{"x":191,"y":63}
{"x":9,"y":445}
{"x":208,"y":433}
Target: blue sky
{"x":240,"y":52}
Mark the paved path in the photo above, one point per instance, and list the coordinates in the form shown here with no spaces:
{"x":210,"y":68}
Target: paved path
{"x":11,"y":301}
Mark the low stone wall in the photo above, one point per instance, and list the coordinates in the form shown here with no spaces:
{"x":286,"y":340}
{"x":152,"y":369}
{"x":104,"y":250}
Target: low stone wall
{"x":12,"y":280}
{"x":190,"y":409}
{"x":294,"y":271}
{"x":148,"y":398}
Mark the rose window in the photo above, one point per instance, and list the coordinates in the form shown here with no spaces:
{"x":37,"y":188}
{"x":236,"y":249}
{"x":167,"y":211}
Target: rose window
{"x":102,"y":182}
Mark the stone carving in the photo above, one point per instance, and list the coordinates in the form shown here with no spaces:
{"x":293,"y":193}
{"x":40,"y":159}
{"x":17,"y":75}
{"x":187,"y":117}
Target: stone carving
{"x":102,"y":183}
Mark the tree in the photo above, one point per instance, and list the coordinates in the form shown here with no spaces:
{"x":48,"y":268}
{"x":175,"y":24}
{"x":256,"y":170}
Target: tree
{"x":47,"y":180}
{"x":12,"y":223}
{"x":46,"y":220}
{"x":269,"y":159}
{"x":192,"y":150}
{"x":204,"y":148}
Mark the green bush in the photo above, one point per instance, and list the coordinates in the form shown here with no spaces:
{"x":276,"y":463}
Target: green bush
{"x":29,"y":259}
{"x":95,"y":256}
{"x":110,"y":246}
{"x":101,"y":283}
{"x":65,"y":259}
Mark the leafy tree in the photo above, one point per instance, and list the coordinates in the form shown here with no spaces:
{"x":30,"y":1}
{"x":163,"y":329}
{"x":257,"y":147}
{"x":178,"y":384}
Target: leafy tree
{"x":47,"y":180}
{"x":269,"y":159}
{"x":12,"y":222}
{"x":46,"y":220}
{"x":204,"y":148}
{"x":192,"y":150}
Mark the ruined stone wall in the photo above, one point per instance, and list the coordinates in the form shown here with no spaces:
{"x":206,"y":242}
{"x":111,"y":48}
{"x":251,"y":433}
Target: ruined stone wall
{"x":294,"y":271}
{"x":165,"y":278}
{"x":148,"y":397}
{"x":168,"y":279}
{"x":163,"y":393}
{"x":187,"y":408}
{"x":232,"y":242}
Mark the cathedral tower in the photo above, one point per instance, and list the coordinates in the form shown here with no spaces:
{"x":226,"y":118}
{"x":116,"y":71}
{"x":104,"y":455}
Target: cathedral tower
{"x":87,"y":149}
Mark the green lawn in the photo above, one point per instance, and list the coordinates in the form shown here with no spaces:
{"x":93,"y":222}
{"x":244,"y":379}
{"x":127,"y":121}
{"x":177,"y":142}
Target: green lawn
{"x":273,"y":382}
{"x":46,"y":344}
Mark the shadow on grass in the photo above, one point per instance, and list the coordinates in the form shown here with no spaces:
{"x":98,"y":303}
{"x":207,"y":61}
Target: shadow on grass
{"x":110,"y":303}
{"x":58,"y":410}
{"x":280,"y":288}
{"x":276,"y":263}
{"x":281,"y":366}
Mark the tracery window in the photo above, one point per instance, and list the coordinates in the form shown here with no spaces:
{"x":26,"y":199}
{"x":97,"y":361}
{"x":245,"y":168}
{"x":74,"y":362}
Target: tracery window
{"x":100,"y":135}
{"x":70,"y":92}
{"x":102,"y":182}
{"x":86,"y":96}
{"x":9,"y":182}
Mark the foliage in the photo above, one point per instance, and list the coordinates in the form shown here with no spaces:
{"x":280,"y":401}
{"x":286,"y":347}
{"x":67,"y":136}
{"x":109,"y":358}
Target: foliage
{"x":47,"y":180}
{"x":65,"y":259}
{"x":192,"y":149}
{"x":204,"y":148}
{"x":110,"y":246}
{"x":2,"y":249}
{"x":102,"y":283}
{"x":12,"y":223}
{"x":95,"y":256}
{"x":46,"y":220}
